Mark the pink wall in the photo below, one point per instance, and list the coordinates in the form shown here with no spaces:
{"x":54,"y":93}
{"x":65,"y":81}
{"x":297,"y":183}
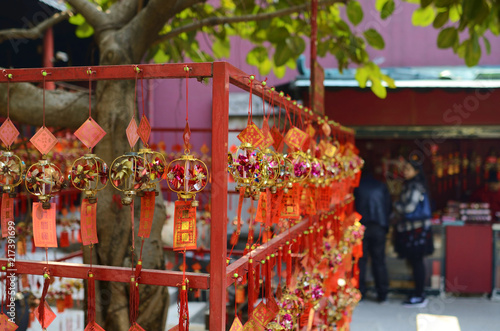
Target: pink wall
{"x":406,"y":45}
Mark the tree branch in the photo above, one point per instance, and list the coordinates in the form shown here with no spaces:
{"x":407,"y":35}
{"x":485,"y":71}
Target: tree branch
{"x":121,"y":12}
{"x":213,"y":21}
{"x":62,"y":108}
{"x":92,"y":14}
{"x":36,"y":31}
{"x":146,"y":25}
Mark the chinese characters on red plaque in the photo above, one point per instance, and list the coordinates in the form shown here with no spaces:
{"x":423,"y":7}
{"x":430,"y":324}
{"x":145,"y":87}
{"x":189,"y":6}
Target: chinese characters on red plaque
{"x":252,"y":135}
{"x":44,"y":225}
{"x":184,"y":226}
{"x":147,"y":213}
{"x":296,"y":138}
{"x":7,"y":213}
{"x":88,"y":222}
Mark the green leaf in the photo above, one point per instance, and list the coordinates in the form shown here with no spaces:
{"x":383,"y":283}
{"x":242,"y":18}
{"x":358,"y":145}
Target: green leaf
{"x":377,"y":88}
{"x":487,"y":45}
{"x":447,"y":37}
{"x":379,"y":4}
{"x":77,"y":19}
{"x":374,"y":39}
{"x":279,"y":71}
{"x":387,"y":9}
{"x":84,"y":30}
{"x":362,"y":76}
{"x":257,"y":55}
{"x":281,"y":54}
{"x":265,"y":67}
{"x":390,"y":82}
{"x":221,"y":48}
{"x":354,"y":12}
{"x":443,"y":3}
{"x":277,"y":35}
{"x":441,"y":19}
{"x":455,"y":13}
{"x":472,"y":52}
{"x":296,"y":44}
{"x":425,"y":3}
{"x":423,"y":16}
{"x":161,"y":57}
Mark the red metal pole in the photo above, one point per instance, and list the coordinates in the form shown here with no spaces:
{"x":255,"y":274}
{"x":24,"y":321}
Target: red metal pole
{"x":218,"y":235}
{"x":48,"y":54}
{"x":314,"y":42}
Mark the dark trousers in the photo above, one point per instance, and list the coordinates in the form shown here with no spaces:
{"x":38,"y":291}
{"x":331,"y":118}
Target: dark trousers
{"x":418,"y":268}
{"x":374,"y":247}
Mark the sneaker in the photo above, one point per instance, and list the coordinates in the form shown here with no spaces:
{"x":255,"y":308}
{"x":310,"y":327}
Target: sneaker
{"x":416,"y":302}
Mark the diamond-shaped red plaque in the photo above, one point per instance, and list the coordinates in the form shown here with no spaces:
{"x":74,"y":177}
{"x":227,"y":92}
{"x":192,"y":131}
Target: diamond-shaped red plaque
{"x":43,"y":140}
{"x":295,"y":138}
{"x":132,"y":135}
{"x":236,"y":326}
{"x":252,"y":135}
{"x":278,"y":139}
{"x":136,"y":327}
{"x":6,"y":324}
{"x":144,"y":130}
{"x":48,"y":314}
{"x":90,"y":133}
{"x":93,"y":326}
{"x":8,"y":132}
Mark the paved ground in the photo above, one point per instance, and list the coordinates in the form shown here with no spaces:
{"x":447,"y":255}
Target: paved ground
{"x":473,"y":313}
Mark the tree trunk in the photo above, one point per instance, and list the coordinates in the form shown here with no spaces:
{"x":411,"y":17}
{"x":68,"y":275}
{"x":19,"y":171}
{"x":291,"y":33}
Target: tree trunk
{"x":115,"y":104}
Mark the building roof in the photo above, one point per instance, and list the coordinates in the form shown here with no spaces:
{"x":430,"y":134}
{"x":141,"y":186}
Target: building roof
{"x":56,"y":4}
{"x":412,"y":77}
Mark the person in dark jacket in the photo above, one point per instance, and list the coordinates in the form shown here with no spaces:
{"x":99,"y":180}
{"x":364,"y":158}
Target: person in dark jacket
{"x":413,"y":231}
{"x":373,"y":202}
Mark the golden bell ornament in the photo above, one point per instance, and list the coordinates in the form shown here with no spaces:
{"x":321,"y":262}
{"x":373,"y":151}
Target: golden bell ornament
{"x":44,"y":179}
{"x":89,"y":173}
{"x":187,"y":176}
{"x":11,"y":172}
{"x":129,"y":174}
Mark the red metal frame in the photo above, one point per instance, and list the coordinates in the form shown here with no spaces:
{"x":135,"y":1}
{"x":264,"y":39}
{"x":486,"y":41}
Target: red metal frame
{"x":221,"y":275}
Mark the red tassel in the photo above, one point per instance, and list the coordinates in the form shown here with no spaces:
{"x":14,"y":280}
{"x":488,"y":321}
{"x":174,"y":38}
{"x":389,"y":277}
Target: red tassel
{"x":41,"y":306}
{"x":64,"y":240}
{"x":91,"y":298}
{"x":251,"y":290}
{"x":184,"y":311}
{"x":268,"y":280}
{"x":257,"y":280}
{"x":280,"y":253}
{"x":33,"y":247}
{"x":289,"y":266}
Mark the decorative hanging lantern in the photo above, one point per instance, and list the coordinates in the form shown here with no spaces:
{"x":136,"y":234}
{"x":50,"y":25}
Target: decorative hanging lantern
{"x":89,"y":173}
{"x":246,"y":164}
{"x":11,"y":166}
{"x":187,"y":176}
{"x":301,"y":166}
{"x":129,"y":174}
{"x":247,"y":169}
{"x":44,"y":179}
{"x":317,"y":176}
{"x":156,"y":163}
{"x":272,"y":163}
{"x":11,"y":172}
